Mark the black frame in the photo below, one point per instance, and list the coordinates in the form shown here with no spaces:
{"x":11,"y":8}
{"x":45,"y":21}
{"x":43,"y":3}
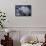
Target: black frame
{"x":19,"y":10}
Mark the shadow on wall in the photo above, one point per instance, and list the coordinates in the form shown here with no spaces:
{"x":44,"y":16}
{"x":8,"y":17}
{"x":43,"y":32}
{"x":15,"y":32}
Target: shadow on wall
{"x":16,"y":43}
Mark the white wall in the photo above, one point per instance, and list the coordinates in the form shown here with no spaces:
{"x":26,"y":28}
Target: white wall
{"x":36,"y":22}
{"x":38,"y":18}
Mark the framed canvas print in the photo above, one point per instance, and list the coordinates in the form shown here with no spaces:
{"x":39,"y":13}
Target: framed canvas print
{"x":23,"y":10}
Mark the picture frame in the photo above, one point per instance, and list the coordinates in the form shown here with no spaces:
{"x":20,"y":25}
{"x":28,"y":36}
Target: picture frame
{"x":23,"y":10}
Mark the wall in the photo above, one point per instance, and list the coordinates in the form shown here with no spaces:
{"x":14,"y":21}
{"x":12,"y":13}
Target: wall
{"x":38,"y":18}
{"x":37,"y":22}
